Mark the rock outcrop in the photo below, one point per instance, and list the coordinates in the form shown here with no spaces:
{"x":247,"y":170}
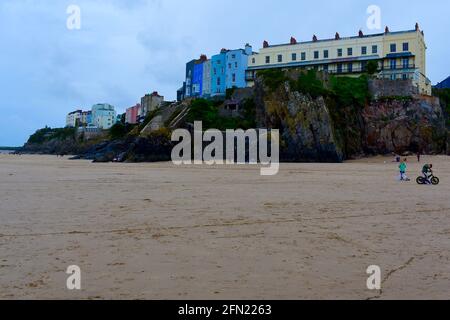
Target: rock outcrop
{"x":319,"y":129}
{"x":409,"y":124}
{"x":305,"y":124}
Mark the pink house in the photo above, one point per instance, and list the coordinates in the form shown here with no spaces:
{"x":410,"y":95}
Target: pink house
{"x":132,"y":114}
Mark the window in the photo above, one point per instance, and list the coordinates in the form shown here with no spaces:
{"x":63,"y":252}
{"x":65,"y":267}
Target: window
{"x":218,"y":61}
{"x":325,"y":54}
{"x":350,"y":51}
{"x":393,"y":64}
{"x":393,"y":47}
{"x":350,"y":67}
{"x":229,"y":66}
{"x":294,"y":57}
{"x":375,"y":49}
{"x":316,"y":54}
{"x":233,"y":77}
{"x":303,"y":56}
{"x":235,"y":64}
{"x":339,"y":52}
{"x":393,"y":77}
{"x":233,"y":56}
{"x":267,"y":59}
{"x":339,"y":68}
{"x":363,"y":50}
{"x":325,"y":67}
{"x":405,"y":76}
{"x":405,"y":63}
{"x":364,"y":66}
{"x":253,"y":60}
{"x":218,"y":81}
{"x":280,"y":58}
{"x":215,"y":71}
{"x":406,"y":46}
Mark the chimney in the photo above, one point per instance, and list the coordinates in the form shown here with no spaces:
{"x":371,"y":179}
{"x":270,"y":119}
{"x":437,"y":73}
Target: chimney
{"x":337,"y":36}
{"x":293,"y":40}
{"x":265,"y":44}
{"x":386,"y":30}
{"x":248,"y":49}
{"x":314,"y":38}
{"x":203,"y":58}
{"x":417,"y":26}
{"x":360,"y":34}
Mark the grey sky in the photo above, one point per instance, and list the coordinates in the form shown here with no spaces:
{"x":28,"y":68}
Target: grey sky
{"x":128,"y":48}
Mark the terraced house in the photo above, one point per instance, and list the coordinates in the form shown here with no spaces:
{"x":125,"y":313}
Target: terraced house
{"x":400,"y":56}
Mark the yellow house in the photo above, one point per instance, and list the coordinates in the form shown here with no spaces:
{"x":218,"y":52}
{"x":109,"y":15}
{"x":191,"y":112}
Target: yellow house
{"x":400,"y":55}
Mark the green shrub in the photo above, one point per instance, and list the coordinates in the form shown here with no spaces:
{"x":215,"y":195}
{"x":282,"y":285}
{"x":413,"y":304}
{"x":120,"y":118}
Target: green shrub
{"x":272,"y":78}
{"x":308,"y":83}
{"x":47,"y":134}
{"x":208,"y":112}
{"x":350,"y":91}
{"x":372,"y":67}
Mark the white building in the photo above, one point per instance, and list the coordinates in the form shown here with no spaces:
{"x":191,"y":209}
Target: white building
{"x":73,"y":119}
{"x":103,"y":116}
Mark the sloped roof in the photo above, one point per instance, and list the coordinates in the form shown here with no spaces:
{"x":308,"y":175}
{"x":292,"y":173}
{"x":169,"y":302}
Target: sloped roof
{"x":444,"y":84}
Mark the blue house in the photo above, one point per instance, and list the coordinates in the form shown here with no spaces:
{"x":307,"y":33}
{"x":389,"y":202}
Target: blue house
{"x":228,"y":70}
{"x":194,"y":77}
{"x":218,"y":76}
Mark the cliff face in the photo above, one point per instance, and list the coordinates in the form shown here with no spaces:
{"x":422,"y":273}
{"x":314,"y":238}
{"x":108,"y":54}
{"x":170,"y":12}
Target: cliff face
{"x":321,"y":129}
{"x":306,"y":127}
{"x":412,"y":124}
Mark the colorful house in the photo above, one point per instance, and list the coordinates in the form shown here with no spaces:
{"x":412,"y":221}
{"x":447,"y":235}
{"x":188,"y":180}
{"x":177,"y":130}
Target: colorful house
{"x":197,"y":82}
{"x":132,"y":114}
{"x":218,"y":76}
{"x":103,"y":116}
{"x":228,"y":70}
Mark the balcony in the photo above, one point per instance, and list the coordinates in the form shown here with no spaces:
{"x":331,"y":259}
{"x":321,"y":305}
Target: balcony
{"x":400,"y":66}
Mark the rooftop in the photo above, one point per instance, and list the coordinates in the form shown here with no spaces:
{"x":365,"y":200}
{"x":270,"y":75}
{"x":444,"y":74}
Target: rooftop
{"x":343,"y":38}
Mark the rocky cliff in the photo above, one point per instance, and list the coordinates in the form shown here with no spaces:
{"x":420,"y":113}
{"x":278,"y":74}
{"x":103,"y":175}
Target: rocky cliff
{"x":335,"y":124}
{"x":306,"y":128}
{"x":320,"y":118}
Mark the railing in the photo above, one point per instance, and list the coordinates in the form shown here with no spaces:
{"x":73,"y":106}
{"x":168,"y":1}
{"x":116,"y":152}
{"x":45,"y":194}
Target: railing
{"x":400,"y":66}
{"x":346,"y":70}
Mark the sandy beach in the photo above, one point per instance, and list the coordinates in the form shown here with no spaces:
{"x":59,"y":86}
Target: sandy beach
{"x":156,"y":231}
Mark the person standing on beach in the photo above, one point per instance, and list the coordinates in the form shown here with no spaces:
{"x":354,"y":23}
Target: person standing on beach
{"x":403,"y":168}
{"x":418,"y":156}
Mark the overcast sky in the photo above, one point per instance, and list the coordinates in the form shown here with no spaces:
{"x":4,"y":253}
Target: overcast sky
{"x":126,"y":48}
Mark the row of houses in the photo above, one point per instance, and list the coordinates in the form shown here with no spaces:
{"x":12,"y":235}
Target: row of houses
{"x":101,"y":116}
{"x":149,"y":102}
{"x":399,"y":55}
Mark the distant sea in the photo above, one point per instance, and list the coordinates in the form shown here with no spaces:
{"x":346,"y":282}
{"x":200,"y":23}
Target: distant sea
{"x":6,"y":151}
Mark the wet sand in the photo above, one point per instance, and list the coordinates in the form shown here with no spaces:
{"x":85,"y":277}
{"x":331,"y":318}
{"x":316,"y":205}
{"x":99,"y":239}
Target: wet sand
{"x":155,"y":231}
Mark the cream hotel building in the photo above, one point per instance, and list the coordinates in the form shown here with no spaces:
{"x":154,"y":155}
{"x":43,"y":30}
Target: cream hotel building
{"x":400,"y":56}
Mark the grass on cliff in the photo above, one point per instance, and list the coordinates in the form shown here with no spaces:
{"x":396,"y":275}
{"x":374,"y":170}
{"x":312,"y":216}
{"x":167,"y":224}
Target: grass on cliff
{"x":208,"y":112}
{"x":46,"y":134}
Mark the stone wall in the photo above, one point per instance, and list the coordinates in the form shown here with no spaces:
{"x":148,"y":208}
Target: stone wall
{"x":388,"y":88}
